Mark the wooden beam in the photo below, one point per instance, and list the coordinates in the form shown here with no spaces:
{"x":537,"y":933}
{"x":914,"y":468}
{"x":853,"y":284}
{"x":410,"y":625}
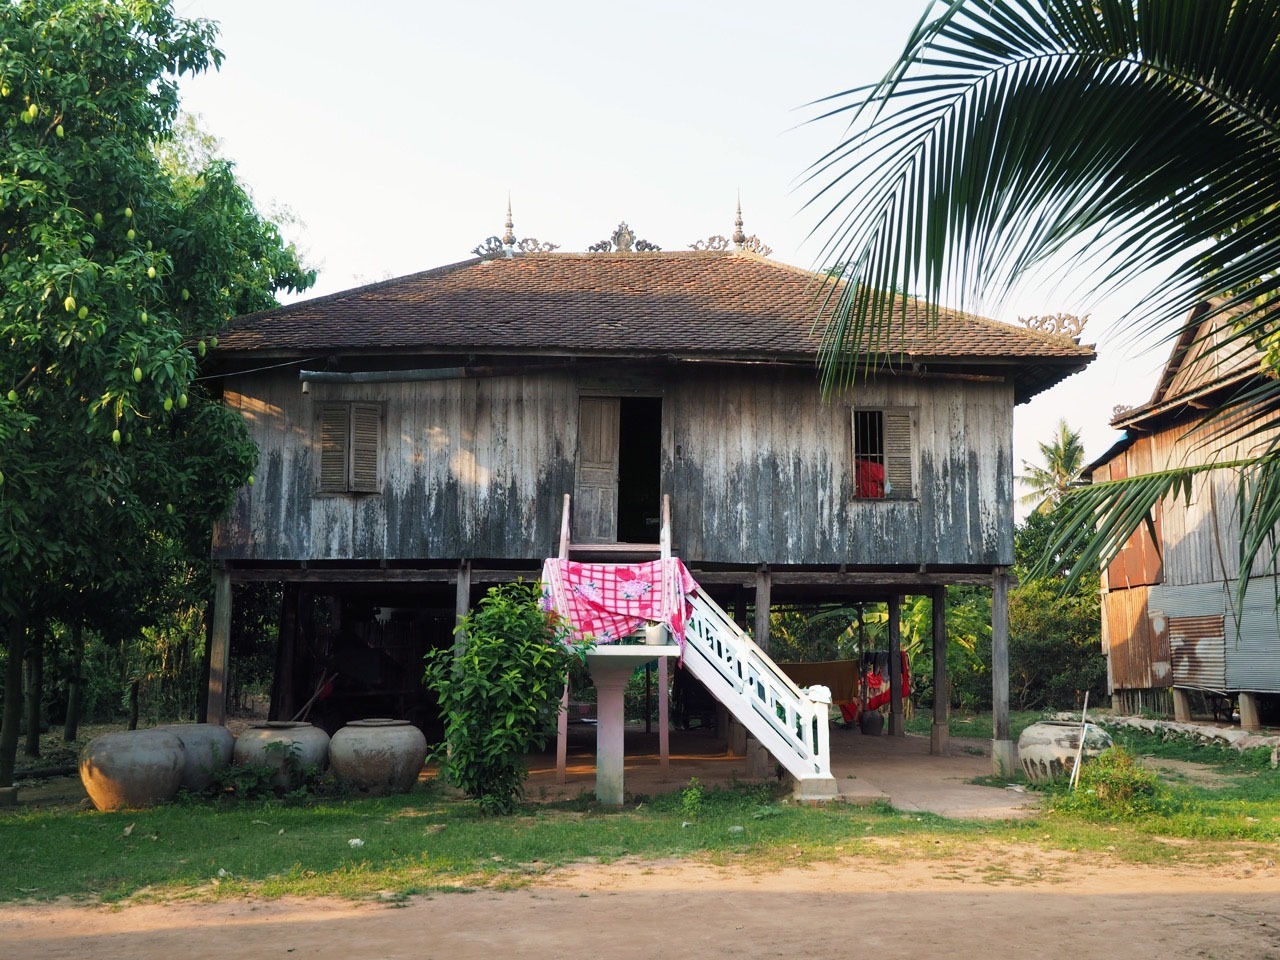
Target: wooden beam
{"x":896,"y":727}
{"x":940,"y":734}
{"x":373,"y":575}
{"x":220,"y":648}
{"x":763,"y":601}
{"x":906,"y":582}
{"x":1001,"y":745}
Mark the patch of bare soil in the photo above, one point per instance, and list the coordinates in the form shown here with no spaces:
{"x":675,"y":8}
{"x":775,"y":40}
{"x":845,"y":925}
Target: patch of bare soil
{"x":1187,"y":772}
{"x":986,"y":903}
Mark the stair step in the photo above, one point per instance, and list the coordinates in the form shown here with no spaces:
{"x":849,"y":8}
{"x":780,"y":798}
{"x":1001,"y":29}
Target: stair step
{"x":616,"y":551}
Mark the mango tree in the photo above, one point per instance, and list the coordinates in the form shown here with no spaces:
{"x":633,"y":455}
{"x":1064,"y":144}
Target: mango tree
{"x":117,"y":268}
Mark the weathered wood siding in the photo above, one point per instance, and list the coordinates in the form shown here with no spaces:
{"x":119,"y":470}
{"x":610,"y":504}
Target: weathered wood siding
{"x":470,"y":468}
{"x":1200,"y":539}
{"x":758,"y":466}
{"x":762,"y":470}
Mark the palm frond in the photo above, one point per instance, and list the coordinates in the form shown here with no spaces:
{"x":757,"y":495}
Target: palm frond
{"x":1131,"y":134}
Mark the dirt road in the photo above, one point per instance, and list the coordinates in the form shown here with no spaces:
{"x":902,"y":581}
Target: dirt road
{"x":983,"y":904}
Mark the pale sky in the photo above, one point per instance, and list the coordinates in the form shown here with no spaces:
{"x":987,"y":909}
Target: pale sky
{"x":394,"y":132}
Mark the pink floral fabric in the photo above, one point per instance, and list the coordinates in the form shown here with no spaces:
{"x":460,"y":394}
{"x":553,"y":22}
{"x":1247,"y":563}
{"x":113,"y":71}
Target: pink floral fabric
{"x":605,"y":602}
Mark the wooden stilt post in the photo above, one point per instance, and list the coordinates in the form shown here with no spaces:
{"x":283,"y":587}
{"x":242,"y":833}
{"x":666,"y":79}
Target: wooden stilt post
{"x":763,"y":590}
{"x":896,"y":727}
{"x":664,"y":720}
{"x":562,"y":736}
{"x":1001,"y":743}
{"x":462,"y":601}
{"x":939,"y":734}
{"x":220,"y":648}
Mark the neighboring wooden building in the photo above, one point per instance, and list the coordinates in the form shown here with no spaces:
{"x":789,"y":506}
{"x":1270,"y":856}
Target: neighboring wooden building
{"x":418,"y":436}
{"x":1169,"y":619}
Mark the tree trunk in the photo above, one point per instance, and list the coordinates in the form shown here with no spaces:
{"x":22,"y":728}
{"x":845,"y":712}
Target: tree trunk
{"x":71,"y":727}
{"x":12,"y":702}
{"x":133,"y":703}
{"x":35,"y":695}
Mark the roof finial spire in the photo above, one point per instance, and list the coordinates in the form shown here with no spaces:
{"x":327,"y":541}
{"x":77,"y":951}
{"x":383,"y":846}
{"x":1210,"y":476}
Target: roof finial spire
{"x":739,"y":238}
{"x":509,"y":238}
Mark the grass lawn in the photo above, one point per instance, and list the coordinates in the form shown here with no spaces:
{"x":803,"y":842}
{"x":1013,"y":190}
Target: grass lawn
{"x":427,"y":842}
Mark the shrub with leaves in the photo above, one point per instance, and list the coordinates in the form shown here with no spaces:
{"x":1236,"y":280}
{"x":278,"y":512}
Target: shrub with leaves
{"x":499,"y":696}
{"x":1114,"y":786}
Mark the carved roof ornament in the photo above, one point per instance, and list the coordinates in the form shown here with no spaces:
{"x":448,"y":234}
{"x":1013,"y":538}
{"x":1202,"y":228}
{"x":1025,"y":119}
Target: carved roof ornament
{"x":1057,"y":324}
{"x":623,"y":240}
{"x":508,"y":245}
{"x":740,"y":240}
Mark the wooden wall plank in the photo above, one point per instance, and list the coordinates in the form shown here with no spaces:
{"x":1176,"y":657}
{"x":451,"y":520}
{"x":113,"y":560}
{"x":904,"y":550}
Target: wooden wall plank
{"x":758,"y":464}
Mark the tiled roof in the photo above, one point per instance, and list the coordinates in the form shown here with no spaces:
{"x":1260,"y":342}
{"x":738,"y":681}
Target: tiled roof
{"x":708,"y":305}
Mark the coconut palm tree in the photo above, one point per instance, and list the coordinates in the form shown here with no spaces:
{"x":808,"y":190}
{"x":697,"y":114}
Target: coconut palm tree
{"x":1120,"y":136}
{"x":1063,"y":460}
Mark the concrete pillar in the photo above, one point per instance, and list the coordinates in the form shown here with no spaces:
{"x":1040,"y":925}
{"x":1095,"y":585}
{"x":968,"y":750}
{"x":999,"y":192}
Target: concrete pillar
{"x":1002,"y":764}
{"x":1181,"y":705}
{"x":896,"y":726}
{"x":610,"y":733}
{"x":940,"y":732}
{"x":1249,"y":720}
{"x":220,"y":648}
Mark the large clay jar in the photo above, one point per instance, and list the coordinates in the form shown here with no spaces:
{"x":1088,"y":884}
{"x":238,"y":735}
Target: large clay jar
{"x":871,"y":723}
{"x":378,"y":756}
{"x":1047,"y":749}
{"x":285,"y":748}
{"x":133,"y":768}
{"x":209,"y":748}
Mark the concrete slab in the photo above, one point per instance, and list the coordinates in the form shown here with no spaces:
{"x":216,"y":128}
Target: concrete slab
{"x":867,"y":770}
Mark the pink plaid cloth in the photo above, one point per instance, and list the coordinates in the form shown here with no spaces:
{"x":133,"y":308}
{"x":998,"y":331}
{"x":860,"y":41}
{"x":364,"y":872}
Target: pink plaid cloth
{"x":605,"y":602}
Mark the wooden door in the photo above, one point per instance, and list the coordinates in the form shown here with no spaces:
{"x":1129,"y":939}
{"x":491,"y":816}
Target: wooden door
{"x":595,"y":496}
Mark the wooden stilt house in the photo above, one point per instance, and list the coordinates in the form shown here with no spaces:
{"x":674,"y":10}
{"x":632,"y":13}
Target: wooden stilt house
{"x":418,"y":436}
{"x":1173,"y":626}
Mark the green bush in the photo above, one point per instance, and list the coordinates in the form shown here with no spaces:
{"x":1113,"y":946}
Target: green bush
{"x":1114,"y":786}
{"x":499,"y":697}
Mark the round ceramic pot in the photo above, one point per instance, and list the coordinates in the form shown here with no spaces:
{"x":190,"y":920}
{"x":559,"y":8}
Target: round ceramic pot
{"x":133,"y":768}
{"x":209,"y":748}
{"x":1047,"y":749}
{"x":378,"y":756}
{"x":871,"y":723}
{"x":284,"y":747}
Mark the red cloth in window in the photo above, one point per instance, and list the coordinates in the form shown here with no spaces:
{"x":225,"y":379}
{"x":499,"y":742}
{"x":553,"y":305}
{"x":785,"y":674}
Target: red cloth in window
{"x":869,"y":478}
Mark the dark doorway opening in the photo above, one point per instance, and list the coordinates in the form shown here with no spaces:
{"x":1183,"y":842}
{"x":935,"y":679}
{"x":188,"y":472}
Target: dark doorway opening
{"x":639,"y":469}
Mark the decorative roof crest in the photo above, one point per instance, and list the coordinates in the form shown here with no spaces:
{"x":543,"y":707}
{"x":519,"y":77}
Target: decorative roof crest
{"x":623,"y":240}
{"x":1057,"y":324}
{"x":508,"y":244}
{"x":741,"y":241}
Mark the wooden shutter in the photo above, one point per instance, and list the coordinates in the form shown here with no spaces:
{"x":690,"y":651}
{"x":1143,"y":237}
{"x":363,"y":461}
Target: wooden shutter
{"x":897,"y":454}
{"x":366,"y":438}
{"x":334,"y":436}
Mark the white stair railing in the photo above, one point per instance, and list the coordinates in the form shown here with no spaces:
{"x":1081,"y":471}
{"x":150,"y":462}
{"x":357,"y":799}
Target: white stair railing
{"x":792,"y":724}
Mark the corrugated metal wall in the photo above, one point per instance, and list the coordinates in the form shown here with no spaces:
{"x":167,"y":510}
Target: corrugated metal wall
{"x":1138,"y":651}
{"x":1210,"y":649}
{"x":1253,"y":654}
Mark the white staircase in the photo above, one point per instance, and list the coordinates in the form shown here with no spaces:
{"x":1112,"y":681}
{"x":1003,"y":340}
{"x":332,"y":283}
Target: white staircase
{"x":792,"y":724}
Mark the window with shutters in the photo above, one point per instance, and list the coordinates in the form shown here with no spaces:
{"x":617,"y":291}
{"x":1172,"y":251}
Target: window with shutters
{"x":883,"y":454}
{"x":350,"y":441}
